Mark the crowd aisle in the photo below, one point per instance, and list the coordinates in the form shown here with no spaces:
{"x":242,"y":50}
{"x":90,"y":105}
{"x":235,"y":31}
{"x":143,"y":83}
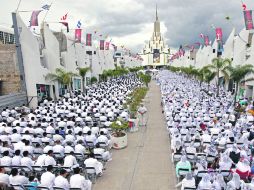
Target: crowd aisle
{"x":145,"y":163}
{"x":211,"y":143}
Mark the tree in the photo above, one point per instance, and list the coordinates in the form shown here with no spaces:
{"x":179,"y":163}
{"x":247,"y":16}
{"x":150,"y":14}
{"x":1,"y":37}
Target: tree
{"x":82,"y":73}
{"x":220,"y":65}
{"x":61,"y":76}
{"x":93,"y":80}
{"x":238,"y":73}
{"x":208,"y":77}
{"x":146,"y":78}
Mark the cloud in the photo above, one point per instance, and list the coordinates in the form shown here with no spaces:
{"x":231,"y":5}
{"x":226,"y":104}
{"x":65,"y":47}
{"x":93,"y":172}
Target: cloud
{"x":130,"y":22}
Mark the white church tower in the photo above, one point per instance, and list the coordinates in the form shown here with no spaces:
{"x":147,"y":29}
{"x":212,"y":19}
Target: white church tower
{"x":155,"y":54}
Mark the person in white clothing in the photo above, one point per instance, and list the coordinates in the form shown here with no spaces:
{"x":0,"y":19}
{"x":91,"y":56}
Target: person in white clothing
{"x":142,"y":112}
{"x":48,"y":178}
{"x":16,"y":179}
{"x":6,"y":159}
{"x":49,"y":160}
{"x":61,"y":181}
{"x":187,"y":182}
{"x":106,"y":155}
{"x":92,"y":162}
{"x":26,"y":161}
{"x":16,"y":160}
{"x":79,"y":181}
{"x":4,"y":178}
{"x":70,"y":160}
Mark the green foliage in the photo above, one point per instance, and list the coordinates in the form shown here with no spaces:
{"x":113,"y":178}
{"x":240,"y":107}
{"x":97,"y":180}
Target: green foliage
{"x":135,"y":69}
{"x":93,"y":80}
{"x":135,"y":99}
{"x":239,"y":72}
{"x":82,"y":73}
{"x":118,"y":127}
{"x":218,"y":66}
{"x":146,"y":78}
{"x":61,"y":76}
{"x":119,"y":71}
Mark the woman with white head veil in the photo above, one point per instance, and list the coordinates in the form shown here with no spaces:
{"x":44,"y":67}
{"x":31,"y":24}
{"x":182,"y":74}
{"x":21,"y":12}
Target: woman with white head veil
{"x":205,"y":183}
{"x":225,"y":162}
{"x":187,"y":182}
{"x":219,"y":183}
{"x":235,"y":183}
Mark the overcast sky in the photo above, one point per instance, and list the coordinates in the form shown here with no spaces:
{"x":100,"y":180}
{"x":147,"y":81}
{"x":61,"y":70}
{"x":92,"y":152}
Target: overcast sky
{"x":130,"y":22}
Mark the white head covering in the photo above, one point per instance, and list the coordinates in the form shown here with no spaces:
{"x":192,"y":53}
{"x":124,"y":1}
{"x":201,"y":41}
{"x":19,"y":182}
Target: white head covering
{"x":236,"y":180}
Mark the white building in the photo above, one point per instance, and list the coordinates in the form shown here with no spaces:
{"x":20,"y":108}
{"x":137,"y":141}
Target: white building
{"x":43,"y":53}
{"x":156,"y":52}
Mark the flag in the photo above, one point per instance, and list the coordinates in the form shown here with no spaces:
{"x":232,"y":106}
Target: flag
{"x":218,"y":34}
{"x":206,"y":41}
{"x":34,"y":18}
{"x":88,"y":39}
{"x":244,"y":6}
{"x":114,"y":46}
{"x":46,"y":7}
{"x":66,"y":25}
{"x":107,"y":46}
{"x":79,"y":24}
{"x":101,"y":44}
{"x":248,"y":19}
{"x":78,"y":32}
{"x":64,"y":17}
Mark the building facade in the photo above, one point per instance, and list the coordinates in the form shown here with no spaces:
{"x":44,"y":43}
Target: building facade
{"x":156,"y":53}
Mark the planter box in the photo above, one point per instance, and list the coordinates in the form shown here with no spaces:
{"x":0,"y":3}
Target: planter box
{"x":119,"y":142}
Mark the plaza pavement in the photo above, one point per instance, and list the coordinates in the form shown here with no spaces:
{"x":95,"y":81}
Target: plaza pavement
{"x":145,"y":164}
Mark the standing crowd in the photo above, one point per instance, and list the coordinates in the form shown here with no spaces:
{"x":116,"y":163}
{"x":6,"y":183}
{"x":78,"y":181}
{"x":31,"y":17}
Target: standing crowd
{"x":62,"y":144}
{"x":212,"y":145}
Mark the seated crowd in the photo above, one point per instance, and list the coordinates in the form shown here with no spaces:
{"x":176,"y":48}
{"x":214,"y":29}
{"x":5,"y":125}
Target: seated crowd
{"x":62,"y":144}
{"x":212,"y":144}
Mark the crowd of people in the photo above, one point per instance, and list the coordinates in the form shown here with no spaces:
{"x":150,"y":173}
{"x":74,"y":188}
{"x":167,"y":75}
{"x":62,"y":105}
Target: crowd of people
{"x":62,"y":144}
{"x":211,"y":142}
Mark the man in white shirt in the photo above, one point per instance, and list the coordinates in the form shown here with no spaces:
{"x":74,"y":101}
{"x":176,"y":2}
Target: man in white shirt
{"x":16,"y":179}
{"x":58,"y":148}
{"x":49,"y":160}
{"x":70,"y":161}
{"x":90,"y":138}
{"x":79,"y":181}
{"x":6,"y":159}
{"x":48,"y":178}
{"x":4,"y":178}
{"x":142,"y":111}
{"x":92,"y":162}
{"x":61,"y":181}
{"x":16,"y":160}
{"x":104,"y":139}
{"x":26,"y":161}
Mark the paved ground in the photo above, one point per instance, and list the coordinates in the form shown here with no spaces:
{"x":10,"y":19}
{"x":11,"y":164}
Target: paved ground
{"x":145,"y":164}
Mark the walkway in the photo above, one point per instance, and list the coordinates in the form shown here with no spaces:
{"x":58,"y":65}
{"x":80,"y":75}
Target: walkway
{"x":145,"y":164}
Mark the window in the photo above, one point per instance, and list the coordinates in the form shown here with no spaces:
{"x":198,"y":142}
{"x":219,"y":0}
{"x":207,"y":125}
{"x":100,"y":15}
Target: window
{"x":6,"y":38}
{"x":11,"y":39}
{"x":1,"y":36}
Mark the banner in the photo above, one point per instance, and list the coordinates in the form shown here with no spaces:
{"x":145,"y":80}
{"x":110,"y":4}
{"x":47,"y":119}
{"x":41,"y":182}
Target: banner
{"x":114,"y":46}
{"x":156,"y":56}
{"x":206,"y":40}
{"x":78,"y":32}
{"x":218,"y":34}
{"x":34,"y":18}
{"x":220,"y":47}
{"x":88,"y":39}
{"x":248,"y":19}
{"x":102,"y":44}
{"x":107,"y":46}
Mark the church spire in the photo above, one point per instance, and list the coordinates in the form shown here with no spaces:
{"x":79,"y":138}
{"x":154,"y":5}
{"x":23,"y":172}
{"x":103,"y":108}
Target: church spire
{"x":156,"y":13}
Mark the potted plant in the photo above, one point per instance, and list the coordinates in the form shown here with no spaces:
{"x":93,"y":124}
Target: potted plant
{"x":119,"y":135}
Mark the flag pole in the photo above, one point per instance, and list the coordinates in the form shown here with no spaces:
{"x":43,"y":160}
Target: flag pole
{"x":18,"y":5}
{"x":47,"y":11}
